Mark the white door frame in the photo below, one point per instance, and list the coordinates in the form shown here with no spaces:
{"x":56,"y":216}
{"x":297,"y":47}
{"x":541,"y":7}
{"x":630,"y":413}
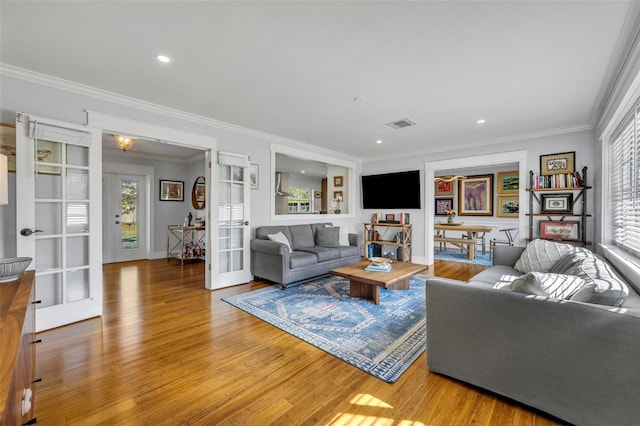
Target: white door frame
{"x":147,"y":173}
{"x":112,"y":124}
{"x":431,"y":167}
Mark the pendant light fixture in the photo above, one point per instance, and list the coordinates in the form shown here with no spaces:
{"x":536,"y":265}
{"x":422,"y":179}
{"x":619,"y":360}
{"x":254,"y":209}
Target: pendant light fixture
{"x":124,"y":142}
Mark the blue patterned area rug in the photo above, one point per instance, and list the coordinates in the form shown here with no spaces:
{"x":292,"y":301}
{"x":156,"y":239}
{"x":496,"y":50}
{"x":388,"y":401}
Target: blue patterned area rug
{"x":457,"y":256}
{"x":382,"y":340}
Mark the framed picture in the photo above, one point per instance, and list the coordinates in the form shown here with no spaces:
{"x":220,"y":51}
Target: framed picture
{"x":508,"y":206}
{"x":475,"y":196}
{"x":560,"y":230}
{"x":337,"y":195}
{"x":338,"y":181}
{"x":390,"y":217}
{"x":556,"y":164}
{"x":556,"y":203}
{"x":444,"y":188}
{"x":254,"y":175}
{"x":171,"y":190}
{"x":508,"y":182}
{"x":8,"y":144}
{"x":443,"y":204}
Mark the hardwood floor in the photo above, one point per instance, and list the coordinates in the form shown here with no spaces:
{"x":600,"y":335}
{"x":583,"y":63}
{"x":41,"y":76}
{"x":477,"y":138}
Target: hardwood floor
{"x":168,"y":352}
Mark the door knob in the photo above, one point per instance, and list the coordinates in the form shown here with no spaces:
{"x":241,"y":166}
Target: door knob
{"x":246,"y":222}
{"x":25,"y":232}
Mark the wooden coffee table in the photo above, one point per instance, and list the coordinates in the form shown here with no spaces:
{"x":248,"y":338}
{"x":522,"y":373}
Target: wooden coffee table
{"x":366,"y":284}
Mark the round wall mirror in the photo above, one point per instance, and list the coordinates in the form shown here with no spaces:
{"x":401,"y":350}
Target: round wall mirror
{"x":198,"y":193}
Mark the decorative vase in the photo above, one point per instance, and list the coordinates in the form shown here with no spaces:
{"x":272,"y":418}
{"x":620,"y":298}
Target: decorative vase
{"x":449,"y":220}
{"x":337,"y":211}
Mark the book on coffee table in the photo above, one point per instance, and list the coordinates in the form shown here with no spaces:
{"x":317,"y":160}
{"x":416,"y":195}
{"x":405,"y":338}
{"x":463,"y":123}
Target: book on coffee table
{"x":385,"y":267}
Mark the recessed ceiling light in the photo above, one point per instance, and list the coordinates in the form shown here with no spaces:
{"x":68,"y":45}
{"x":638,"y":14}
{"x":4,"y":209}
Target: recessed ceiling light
{"x":360,"y":99}
{"x":378,"y":141}
{"x":302,"y":171}
{"x":481,"y":121}
{"x":164,"y":59}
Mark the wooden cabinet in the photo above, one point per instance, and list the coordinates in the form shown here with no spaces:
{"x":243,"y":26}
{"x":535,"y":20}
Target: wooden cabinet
{"x":550,"y":207}
{"x":18,"y":355}
{"x":396,"y":235}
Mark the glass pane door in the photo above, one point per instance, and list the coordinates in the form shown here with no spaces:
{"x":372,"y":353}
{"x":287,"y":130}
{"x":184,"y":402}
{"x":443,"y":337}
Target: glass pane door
{"x":58,"y":217}
{"x":62,"y":216}
{"x":231,"y":224}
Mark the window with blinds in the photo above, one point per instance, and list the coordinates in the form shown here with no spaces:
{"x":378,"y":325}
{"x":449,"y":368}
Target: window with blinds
{"x":624,"y":183}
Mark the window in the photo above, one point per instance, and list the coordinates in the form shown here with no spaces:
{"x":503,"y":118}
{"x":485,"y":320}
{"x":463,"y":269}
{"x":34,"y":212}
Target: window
{"x":624,"y":183}
{"x":299,"y":201}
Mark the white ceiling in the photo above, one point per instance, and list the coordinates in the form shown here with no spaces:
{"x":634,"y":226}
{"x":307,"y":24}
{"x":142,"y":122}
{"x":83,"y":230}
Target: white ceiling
{"x":293,"y":69}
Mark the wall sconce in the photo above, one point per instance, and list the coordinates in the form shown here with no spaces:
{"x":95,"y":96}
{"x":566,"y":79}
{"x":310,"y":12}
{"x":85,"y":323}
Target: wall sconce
{"x":124,"y":142}
{"x":4,"y":180}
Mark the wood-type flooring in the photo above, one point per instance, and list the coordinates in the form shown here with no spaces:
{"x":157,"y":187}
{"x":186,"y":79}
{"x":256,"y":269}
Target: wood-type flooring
{"x":169,"y":352}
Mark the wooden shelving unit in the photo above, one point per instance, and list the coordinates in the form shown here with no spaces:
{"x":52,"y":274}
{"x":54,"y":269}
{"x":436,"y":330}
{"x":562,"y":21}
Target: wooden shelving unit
{"x":375,"y":232}
{"x":579,"y":204}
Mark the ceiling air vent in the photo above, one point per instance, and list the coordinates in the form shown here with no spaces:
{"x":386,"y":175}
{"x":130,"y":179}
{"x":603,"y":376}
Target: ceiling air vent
{"x":405,"y":122}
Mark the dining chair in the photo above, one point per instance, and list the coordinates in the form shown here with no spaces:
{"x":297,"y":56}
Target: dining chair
{"x":511,"y":234}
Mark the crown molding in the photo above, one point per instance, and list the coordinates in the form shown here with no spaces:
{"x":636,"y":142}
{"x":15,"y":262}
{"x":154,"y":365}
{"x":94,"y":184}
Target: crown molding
{"x":93,"y":92}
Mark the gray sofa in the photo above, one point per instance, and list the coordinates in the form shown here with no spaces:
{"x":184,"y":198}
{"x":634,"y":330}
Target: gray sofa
{"x":275,"y":262}
{"x":577,"y":361}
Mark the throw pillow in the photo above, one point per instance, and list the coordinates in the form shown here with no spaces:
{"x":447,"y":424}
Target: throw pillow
{"x":541,"y":255}
{"x":607,"y":289}
{"x":328,"y":236}
{"x":557,"y":286}
{"x":280,"y":238}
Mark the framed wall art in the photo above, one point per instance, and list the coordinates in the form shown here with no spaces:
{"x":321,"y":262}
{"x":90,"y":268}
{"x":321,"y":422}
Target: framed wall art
{"x":560,"y":230}
{"x":444,"y":187}
{"x":254,"y":175}
{"x":508,"y":206}
{"x":555,"y":164}
{"x":556,"y":203}
{"x":171,"y":190}
{"x":338,"y":181}
{"x":508,"y":182}
{"x":475,"y":196}
{"x":8,"y":144}
{"x":443,"y":204}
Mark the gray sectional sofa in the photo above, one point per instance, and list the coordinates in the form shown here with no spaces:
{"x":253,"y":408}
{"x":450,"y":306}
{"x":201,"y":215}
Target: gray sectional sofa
{"x":576,"y":360}
{"x":300,"y":252}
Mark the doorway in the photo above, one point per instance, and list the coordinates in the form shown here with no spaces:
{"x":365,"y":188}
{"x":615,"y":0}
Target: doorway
{"x":126,"y":216}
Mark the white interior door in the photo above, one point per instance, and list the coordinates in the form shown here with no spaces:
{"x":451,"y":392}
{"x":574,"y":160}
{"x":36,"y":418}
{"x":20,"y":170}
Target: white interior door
{"x":59,"y":215}
{"x":233,"y":232}
{"x":125,"y":217}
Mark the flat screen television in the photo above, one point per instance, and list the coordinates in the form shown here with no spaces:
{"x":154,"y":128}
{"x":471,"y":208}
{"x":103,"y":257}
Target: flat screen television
{"x":391,"y":190}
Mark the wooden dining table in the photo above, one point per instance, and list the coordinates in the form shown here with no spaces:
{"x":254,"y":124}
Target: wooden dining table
{"x":467,"y":244}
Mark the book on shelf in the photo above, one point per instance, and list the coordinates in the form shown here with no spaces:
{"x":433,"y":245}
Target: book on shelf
{"x":560,"y":181}
{"x":384,"y":267}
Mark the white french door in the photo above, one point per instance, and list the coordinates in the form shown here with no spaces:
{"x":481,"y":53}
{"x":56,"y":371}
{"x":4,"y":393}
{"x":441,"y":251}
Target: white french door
{"x":233,"y":212}
{"x":58,"y":216}
{"x":124,"y":209}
